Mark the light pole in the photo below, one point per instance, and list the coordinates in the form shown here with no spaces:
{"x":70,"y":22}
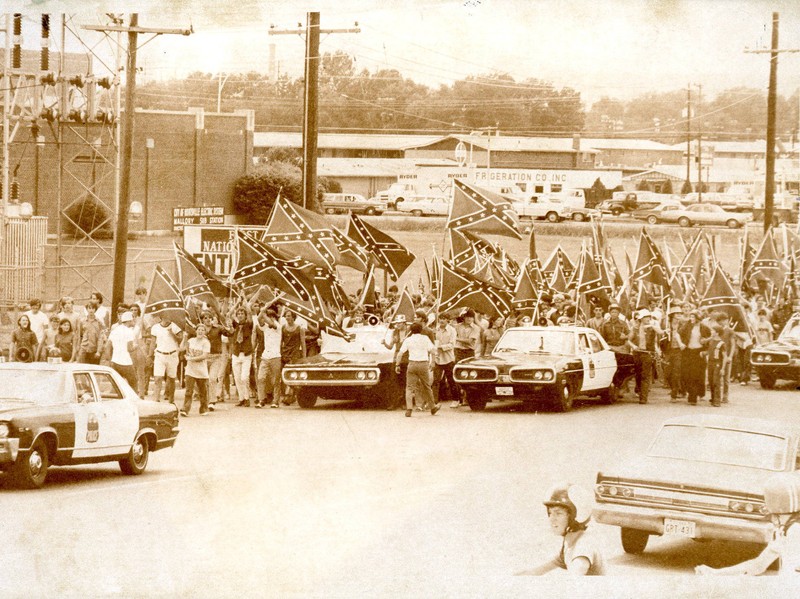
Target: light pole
{"x":220,"y":84}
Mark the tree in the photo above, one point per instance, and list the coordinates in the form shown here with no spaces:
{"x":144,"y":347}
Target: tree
{"x":254,"y":195}
{"x":686,"y":187}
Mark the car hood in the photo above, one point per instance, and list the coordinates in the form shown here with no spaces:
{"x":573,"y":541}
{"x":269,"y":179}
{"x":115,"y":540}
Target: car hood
{"x":9,"y":407}
{"x":512,"y":359}
{"x":340,"y":360}
{"x":690,"y":475}
{"x":782,"y":345}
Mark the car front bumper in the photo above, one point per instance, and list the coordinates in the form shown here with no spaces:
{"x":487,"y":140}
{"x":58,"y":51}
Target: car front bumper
{"x":706,"y":526}
{"x":9,"y":448}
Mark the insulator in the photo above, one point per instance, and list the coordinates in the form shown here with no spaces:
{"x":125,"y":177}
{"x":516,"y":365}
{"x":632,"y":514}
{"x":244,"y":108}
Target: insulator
{"x":16,"y":49}
{"x":105,"y":83}
{"x":77,"y":81}
{"x":48,"y":79}
{"x":45,"y":26}
{"x":14,"y":191}
{"x":44,"y":57}
{"x":79,"y":116}
{"x":50,"y":114}
{"x":17,"y":24}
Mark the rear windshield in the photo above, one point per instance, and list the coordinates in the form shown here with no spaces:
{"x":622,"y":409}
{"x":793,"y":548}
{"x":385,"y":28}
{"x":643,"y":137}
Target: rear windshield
{"x":721,"y":446}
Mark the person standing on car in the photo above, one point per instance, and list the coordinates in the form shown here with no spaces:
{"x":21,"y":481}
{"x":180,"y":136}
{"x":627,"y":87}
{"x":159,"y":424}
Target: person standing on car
{"x":569,"y":510}
{"x":643,"y":340}
{"x":420,"y":351}
{"x":782,"y":501}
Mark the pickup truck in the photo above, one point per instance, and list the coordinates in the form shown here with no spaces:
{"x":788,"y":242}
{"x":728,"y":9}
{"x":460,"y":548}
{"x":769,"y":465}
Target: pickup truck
{"x":333,"y":203}
{"x":551,"y":208}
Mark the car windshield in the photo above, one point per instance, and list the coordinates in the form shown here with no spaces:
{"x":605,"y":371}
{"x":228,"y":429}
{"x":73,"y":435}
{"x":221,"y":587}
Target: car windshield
{"x":549,"y":340}
{"x":44,"y":387}
{"x":750,"y":449}
{"x":364,"y":341}
{"x":791,"y":332}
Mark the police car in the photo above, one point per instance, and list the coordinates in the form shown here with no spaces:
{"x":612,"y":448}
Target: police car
{"x":63,"y":414}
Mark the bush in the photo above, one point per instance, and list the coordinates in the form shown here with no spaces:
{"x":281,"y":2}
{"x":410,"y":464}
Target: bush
{"x":89,"y":217}
{"x":254,"y":195}
{"x":686,"y":188}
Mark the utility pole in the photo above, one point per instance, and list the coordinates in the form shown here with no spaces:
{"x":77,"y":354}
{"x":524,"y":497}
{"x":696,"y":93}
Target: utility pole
{"x":769,"y":185}
{"x":121,"y":234}
{"x":689,"y":136}
{"x":311,"y":99}
{"x":699,"y":150}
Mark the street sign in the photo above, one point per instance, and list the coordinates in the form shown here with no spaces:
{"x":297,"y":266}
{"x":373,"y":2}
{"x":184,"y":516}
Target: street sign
{"x":197,"y":215}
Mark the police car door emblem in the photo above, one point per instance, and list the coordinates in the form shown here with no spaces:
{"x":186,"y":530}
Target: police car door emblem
{"x":92,"y":429}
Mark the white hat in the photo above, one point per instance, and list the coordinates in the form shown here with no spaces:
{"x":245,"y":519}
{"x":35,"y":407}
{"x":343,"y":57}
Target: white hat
{"x":400,"y":318}
{"x":126,"y":317}
{"x":643,"y":313}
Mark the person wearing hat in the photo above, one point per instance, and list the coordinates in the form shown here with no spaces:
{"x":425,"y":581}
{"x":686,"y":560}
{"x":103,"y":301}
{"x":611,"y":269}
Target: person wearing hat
{"x":122,"y":340}
{"x":694,"y":334}
{"x":569,"y":510}
{"x":643,"y":340}
{"x":673,"y":351}
{"x":782,"y":501}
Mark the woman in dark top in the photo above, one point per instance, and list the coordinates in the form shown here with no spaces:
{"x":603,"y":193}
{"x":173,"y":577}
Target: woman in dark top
{"x":293,"y":347}
{"x":242,"y":345}
{"x":65,"y":339}
{"x":23,"y":341}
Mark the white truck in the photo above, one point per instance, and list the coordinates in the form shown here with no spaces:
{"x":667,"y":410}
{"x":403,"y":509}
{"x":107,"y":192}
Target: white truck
{"x":549,"y":207}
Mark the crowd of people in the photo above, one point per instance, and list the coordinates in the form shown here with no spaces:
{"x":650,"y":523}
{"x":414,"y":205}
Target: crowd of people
{"x":692,"y":351}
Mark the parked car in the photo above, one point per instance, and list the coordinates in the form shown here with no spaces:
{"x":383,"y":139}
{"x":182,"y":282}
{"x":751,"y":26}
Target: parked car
{"x":425,"y":206}
{"x":66,"y":414}
{"x":626,"y":202}
{"x":551,"y":208}
{"x":663,"y":213}
{"x":702,"y":478}
{"x":334,"y":203}
{"x":529,"y":364}
{"x":710,"y":214}
{"x":360,"y":369}
{"x":779,"y":359}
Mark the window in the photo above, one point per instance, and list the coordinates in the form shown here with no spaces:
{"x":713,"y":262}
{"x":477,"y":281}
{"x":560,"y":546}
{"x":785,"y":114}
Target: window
{"x":556,"y":188}
{"x":108,"y":388}
{"x":539,"y":189}
{"x":594,"y":340}
{"x":583,"y":344}
{"x":84,"y":387}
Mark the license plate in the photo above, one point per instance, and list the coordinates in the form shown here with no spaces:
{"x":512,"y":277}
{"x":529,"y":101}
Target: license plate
{"x":504,"y":390}
{"x":681,"y":528}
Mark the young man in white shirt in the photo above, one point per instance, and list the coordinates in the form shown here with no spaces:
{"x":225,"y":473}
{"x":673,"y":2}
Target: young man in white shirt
{"x":268,"y":379}
{"x":122,"y":340}
{"x":165,"y":341}
{"x":420,"y":351}
{"x":37,"y":319}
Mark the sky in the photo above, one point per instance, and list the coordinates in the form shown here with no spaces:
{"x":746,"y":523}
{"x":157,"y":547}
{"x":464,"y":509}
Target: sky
{"x":614,"y":48}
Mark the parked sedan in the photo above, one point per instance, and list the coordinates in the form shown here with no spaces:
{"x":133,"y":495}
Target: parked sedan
{"x":663,"y":213}
{"x":67,"y":414}
{"x":529,"y":364}
{"x":334,"y":203}
{"x":702,"y":478}
{"x":779,"y":359}
{"x":710,"y":214}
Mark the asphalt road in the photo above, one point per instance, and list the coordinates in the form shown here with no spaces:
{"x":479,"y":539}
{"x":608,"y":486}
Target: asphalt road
{"x":345,"y":502}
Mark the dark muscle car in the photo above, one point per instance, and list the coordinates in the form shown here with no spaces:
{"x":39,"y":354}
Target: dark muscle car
{"x":702,"y":478}
{"x":528,"y":364}
{"x":779,"y":359}
{"x":361,"y":369}
{"x":66,"y":414}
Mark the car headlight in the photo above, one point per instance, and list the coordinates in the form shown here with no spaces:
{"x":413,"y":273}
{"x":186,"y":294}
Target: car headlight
{"x":537,"y":376}
{"x":361,"y":375}
{"x":371,"y":375}
{"x":293,"y":375}
{"x":768,"y":358}
{"x":303,"y":375}
{"x":4,"y":430}
{"x":473,"y":374}
{"x":547,"y":375}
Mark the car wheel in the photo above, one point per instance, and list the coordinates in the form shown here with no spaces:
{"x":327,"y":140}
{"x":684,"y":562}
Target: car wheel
{"x":477,"y":404}
{"x":306,"y":398}
{"x":30,"y":469}
{"x":609,"y":395}
{"x":767,"y":380}
{"x":371,"y":211}
{"x":552,"y":217}
{"x":616,"y":211}
{"x":579,"y":217}
{"x":416,"y":212}
{"x":634,"y":541}
{"x":732,"y":223}
{"x":564,"y":399}
{"x":684,"y":222}
{"x":330,"y":211}
{"x":652,"y":219}
{"x":136,"y":460}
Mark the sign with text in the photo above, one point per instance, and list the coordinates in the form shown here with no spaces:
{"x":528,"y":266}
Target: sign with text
{"x":212,"y":246}
{"x":197,"y":215}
